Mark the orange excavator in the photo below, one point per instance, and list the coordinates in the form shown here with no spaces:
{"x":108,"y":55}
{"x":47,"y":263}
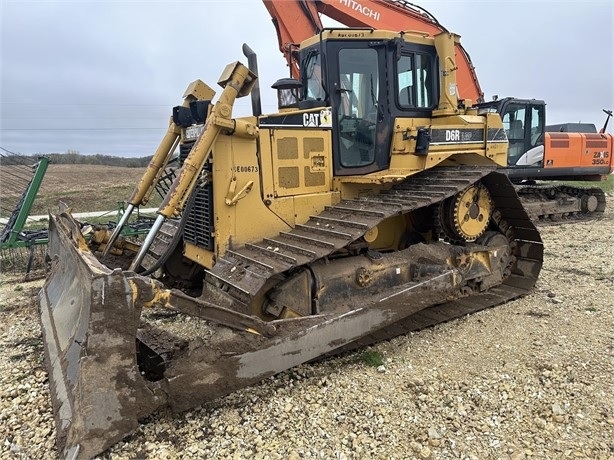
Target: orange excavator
{"x":563,"y":152}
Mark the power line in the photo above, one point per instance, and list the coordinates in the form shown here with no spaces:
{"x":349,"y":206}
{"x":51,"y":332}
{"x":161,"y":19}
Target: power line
{"x":82,"y":104}
{"x":83,"y":129}
{"x":80,"y":118}
{"x":97,"y":104}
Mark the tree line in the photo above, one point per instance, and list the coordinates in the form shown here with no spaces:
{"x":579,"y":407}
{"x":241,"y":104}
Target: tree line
{"x":75,"y":158}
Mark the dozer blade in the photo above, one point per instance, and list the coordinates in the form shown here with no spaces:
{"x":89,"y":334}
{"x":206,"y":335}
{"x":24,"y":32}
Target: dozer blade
{"x":89,"y":323}
{"x":90,"y":319}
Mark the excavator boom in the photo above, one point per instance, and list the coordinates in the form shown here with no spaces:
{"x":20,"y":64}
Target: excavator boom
{"x":298,"y":20}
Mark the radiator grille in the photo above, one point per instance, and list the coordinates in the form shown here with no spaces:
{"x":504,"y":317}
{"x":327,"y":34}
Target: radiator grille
{"x":184,"y":151}
{"x":199,"y":227}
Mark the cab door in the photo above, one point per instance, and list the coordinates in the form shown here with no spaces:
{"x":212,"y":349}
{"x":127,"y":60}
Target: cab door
{"x":361,"y":120}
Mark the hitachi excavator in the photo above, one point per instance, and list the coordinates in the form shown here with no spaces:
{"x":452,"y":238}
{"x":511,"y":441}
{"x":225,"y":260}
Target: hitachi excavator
{"x":566,"y":152}
{"x":371,"y":204}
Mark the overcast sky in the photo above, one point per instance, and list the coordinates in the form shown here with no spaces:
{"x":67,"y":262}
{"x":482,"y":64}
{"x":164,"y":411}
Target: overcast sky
{"x":102,"y":76}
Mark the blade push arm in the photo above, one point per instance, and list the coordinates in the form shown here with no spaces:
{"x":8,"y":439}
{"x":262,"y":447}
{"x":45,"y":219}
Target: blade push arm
{"x":197,"y":90}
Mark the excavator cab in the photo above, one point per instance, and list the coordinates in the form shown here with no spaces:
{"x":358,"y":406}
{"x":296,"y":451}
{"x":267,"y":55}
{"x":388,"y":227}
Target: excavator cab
{"x":566,"y":151}
{"x":524,"y":124}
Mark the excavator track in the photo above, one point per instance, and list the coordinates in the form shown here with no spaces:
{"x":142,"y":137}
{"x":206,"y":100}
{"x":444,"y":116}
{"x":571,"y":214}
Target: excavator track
{"x":556,"y":202}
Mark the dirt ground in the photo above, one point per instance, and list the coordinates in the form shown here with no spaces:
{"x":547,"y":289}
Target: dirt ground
{"x":530,"y":379}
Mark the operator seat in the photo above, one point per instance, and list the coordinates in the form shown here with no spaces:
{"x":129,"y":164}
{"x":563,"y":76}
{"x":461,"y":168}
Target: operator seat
{"x":516,"y":131}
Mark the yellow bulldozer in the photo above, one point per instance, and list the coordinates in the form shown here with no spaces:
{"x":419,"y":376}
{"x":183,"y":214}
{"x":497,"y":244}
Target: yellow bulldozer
{"x":369,"y":205}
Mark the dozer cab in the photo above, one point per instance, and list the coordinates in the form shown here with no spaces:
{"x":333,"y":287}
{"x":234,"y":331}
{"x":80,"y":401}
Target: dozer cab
{"x":368,"y":206}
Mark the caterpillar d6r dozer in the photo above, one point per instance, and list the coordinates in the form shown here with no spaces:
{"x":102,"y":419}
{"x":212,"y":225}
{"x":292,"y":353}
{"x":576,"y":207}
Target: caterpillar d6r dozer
{"x":368,"y":206}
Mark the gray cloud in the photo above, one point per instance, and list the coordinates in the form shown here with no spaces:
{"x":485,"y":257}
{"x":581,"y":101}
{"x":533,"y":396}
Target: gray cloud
{"x":102,"y":76}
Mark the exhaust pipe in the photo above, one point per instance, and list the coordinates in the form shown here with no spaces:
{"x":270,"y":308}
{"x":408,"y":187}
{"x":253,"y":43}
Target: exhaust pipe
{"x":252,"y":63}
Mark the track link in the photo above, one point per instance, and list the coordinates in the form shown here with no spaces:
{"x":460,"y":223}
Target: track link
{"x":248,"y":268}
{"x":245,"y":271}
{"x":555,"y":202}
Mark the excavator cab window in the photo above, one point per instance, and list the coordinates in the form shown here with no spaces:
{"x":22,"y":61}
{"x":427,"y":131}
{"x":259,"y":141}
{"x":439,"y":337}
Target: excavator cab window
{"x":537,"y":126}
{"x":523,"y":122}
{"x":513,"y":123}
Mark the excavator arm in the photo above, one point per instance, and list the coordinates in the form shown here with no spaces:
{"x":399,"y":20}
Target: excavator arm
{"x":294,"y":21}
{"x":297,"y":20}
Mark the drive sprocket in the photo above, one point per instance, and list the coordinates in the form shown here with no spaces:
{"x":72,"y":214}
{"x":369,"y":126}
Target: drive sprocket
{"x":465,"y":216}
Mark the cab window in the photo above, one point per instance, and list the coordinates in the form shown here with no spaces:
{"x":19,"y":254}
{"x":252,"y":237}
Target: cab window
{"x":513,"y":123}
{"x":414,"y":85}
{"x":314,"y":89}
{"x":537,"y":126}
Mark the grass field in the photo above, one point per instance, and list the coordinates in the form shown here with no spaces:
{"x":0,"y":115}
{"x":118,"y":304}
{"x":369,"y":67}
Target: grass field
{"x":84,"y":188}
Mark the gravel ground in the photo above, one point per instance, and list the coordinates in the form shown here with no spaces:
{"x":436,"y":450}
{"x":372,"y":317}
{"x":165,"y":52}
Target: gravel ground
{"x":529,"y":379}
